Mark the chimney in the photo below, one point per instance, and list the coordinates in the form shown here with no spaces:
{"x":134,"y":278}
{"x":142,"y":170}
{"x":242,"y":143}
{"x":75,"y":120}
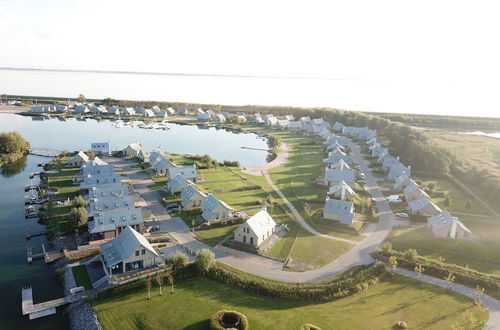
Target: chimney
{"x":342,"y":192}
{"x":397,"y":158}
{"x":263,"y":208}
{"x":327,"y":198}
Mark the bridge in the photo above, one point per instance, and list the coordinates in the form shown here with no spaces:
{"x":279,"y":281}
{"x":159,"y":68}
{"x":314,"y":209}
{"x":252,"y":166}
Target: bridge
{"x":45,"y":152}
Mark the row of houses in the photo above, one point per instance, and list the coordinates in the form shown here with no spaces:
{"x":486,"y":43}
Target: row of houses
{"x":111,"y":207}
{"x":440,"y":222}
{"x":80,"y":108}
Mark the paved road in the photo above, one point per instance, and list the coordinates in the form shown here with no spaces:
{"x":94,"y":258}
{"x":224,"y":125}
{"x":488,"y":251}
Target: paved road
{"x":489,"y":302}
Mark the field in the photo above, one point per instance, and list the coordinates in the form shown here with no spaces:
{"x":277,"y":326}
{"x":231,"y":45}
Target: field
{"x":482,"y":255}
{"x":195,"y":300}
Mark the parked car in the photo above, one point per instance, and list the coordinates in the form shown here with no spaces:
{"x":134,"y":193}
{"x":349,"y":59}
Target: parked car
{"x":172,"y":206}
{"x":394,"y":199}
{"x":401,"y":215}
{"x":374,"y":201}
{"x":172,"y":211}
{"x":362,"y":175}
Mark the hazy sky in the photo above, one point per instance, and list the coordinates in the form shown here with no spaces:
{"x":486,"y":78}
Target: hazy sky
{"x":442,"y":43}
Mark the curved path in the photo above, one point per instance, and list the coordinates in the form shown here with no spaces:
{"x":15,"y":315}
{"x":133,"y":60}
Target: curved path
{"x":490,"y":303}
{"x":281,"y":158}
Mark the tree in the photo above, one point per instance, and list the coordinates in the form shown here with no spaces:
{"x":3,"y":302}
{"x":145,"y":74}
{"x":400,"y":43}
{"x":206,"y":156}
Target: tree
{"x":410,"y":255}
{"x":79,"y":217}
{"x":79,"y":201}
{"x":447,"y":201}
{"x":178,"y":260}
{"x":204,"y":260}
{"x":170,"y":279}
{"x":274,"y":141}
{"x":159,"y":281}
{"x":148,"y":287}
{"x":393,"y":263}
{"x":387,"y":247}
{"x":450,"y":278}
{"x":81,"y":98}
{"x":12,"y":143}
{"x":468,"y":204}
{"x":419,"y":269}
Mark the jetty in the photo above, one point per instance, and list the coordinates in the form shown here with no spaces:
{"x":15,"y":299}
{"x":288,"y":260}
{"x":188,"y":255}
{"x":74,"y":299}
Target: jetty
{"x":35,"y":234}
{"x":47,"y":256}
{"x":250,"y":148}
{"x":46,"y":308}
{"x":45,"y":152}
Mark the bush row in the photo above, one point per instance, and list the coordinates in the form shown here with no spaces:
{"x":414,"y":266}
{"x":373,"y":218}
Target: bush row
{"x":355,"y":280}
{"x":463,"y":275}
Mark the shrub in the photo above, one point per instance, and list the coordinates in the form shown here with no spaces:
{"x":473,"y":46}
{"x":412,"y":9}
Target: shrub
{"x":218,"y":318}
{"x":410,"y":255}
{"x":204,"y":260}
{"x":468,"y":204}
{"x":402,"y":325}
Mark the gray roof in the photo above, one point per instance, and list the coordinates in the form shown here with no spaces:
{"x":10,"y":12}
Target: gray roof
{"x":108,"y":190}
{"x":109,"y":220}
{"x":123,"y":246}
{"x":336,"y":206}
{"x":260,"y":223}
{"x":97,"y":205}
{"x":189,"y":193}
{"x":188,"y":171}
{"x":332,"y":175}
{"x":100,"y":179}
{"x":178,"y":182}
{"x":445,"y":219}
{"x":341,"y":186}
{"x":420,"y":203}
{"x":336,"y":157}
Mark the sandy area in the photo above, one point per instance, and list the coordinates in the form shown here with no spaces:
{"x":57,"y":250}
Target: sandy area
{"x":281,"y":158}
{"x":13,"y":109}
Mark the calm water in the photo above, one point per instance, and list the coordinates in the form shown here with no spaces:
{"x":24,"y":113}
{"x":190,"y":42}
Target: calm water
{"x":15,"y":271}
{"x":400,"y":96}
{"x":495,"y":135}
{"x":74,"y":134}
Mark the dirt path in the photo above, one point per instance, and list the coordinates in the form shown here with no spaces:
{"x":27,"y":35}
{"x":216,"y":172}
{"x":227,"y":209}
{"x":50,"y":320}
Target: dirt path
{"x":281,"y":158}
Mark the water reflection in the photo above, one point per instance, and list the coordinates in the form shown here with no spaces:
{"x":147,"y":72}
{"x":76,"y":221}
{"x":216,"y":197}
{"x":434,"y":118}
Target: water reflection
{"x":14,"y":168}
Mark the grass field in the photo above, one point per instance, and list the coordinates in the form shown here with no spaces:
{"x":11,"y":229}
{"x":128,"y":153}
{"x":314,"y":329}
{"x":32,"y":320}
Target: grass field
{"x":481,"y":255}
{"x":81,"y":277}
{"x":195,"y":300}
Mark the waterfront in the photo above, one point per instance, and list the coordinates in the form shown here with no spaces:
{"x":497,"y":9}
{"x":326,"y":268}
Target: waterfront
{"x":74,"y":135}
{"x":16,"y":272}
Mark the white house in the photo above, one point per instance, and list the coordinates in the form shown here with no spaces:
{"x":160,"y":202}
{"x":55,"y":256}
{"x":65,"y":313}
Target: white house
{"x":79,"y":159}
{"x":402,"y":182}
{"x":128,"y":252}
{"x":114,"y":111}
{"x":256,"y":229}
{"x":101,"y":148}
{"x":413,"y":192}
{"x":155,"y":109}
{"x":162,"y":164}
{"x":338,"y":176}
{"x":148,"y":113}
{"x":342,"y":191}
{"x":445,"y":225}
{"x":182,"y":111}
{"x":132,"y":150}
{"x":423,"y":206}
{"x":177,"y":184}
{"x":294,"y":125}
{"x":214,"y":210}
{"x":338,"y":210}
{"x":187,"y":171}
{"x":191,"y":197}
{"x":128,"y":111}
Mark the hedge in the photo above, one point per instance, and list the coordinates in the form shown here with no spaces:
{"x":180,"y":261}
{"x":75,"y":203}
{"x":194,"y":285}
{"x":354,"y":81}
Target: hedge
{"x":355,"y":280}
{"x":215,"y":320}
{"x":188,"y":271}
{"x":466,"y":276}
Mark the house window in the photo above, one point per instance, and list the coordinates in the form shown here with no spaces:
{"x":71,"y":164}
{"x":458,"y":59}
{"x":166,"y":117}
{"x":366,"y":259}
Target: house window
{"x":244,"y":238}
{"x":143,"y":251}
{"x":251,"y":240}
{"x":137,"y":253}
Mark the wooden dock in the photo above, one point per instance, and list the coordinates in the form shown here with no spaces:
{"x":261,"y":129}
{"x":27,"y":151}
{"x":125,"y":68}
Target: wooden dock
{"x":46,"y":308}
{"x":45,"y":152}
{"x":48,"y":257}
{"x":35,"y":234}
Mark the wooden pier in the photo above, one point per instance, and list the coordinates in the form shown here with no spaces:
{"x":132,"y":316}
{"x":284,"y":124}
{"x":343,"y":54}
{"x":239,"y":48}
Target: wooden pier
{"x":47,"y":256}
{"x":45,"y":152}
{"x":29,"y":234}
{"x":46,"y":308}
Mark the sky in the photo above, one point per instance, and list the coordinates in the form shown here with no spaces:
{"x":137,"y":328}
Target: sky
{"x":450,"y":44}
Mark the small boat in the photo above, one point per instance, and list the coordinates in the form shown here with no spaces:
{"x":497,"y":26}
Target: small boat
{"x":30,"y":212}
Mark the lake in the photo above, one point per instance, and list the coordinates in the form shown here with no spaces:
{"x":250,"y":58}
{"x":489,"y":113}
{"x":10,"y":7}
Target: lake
{"x":74,"y":134}
{"x":15,"y":271}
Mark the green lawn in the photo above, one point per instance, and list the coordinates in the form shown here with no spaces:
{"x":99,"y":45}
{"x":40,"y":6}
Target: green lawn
{"x":215,"y":235}
{"x":195,"y":300}
{"x":483,"y":256}
{"x":81,"y":277}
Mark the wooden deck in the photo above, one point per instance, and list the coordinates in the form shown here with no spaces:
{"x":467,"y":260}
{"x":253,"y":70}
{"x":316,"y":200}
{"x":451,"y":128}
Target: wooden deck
{"x":46,"y":308}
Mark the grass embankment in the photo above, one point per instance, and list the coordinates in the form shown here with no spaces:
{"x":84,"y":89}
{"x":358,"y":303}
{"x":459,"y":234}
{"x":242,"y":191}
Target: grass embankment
{"x":81,"y":277}
{"x":195,"y":300}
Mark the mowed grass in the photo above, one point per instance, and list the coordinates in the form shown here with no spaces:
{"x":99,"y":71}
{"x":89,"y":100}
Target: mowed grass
{"x":195,"y":300}
{"x":81,"y":277}
{"x":457,"y":196}
{"x":482,"y":255}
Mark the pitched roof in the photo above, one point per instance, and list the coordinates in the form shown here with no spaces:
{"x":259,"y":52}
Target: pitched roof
{"x":97,"y":205}
{"x":332,"y":175}
{"x":342,"y":186}
{"x":187,"y":171}
{"x":335,"y":158}
{"x":109,"y":220}
{"x":420,"y":203}
{"x":83,"y":156}
{"x":336,"y":206}
{"x":123,"y":246}
{"x":260,"y":223}
{"x":189,"y":192}
{"x":178,"y":182}
{"x":211,"y":202}
{"x":445,"y":219}
{"x":340,"y":165}
{"x":135,"y":146}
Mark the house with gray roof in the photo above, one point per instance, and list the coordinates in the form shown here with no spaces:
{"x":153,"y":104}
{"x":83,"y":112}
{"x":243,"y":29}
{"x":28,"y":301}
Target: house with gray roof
{"x":341,"y":191}
{"x":338,"y":127}
{"x":191,"y":197}
{"x":110,"y":223}
{"x":128,"y":111}
{"x":103,"y":191}
{"x":177,"y":184}
{"x":256,"y":230}
{"x":139,"y":109}
{"x":181,"y":111}
{"x":214,"y":210}
{"x":114,"y":111}
{"x":398,"y":169}
{"x":332,"y":140}
{"x":162,"y":164}
{"x":170,"y":111}
{"x":188,"y":171}
{"x":129,"y":251}
{"x":413,"y":191}
{"x":423,"y":206}
{"x":402,"y":182}
{"x":290,"y":117}
{"x":94,"y":167}
{"x":295,"y":125}
{"x":333,"y":177}
{"x":148,"y":113}
{"x":444,"y":225}
{"x":334,"y":158}
{"x":340,"y":165}
{"x":81,"y":109}
{"x":132,"y":150}
{"x":97,"y":205}
{"x":79,"y":159}
{"x":338,"y":210}
{"x":90,"y":180}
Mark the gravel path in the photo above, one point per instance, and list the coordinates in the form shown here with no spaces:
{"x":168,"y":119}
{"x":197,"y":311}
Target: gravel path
{"x":281,"y":158}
